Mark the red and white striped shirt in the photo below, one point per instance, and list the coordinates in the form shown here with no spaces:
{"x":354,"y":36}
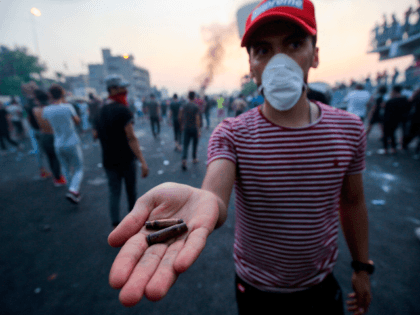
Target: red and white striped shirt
{"x":287,"y":193}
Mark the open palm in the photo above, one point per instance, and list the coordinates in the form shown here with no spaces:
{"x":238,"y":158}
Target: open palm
{"x":151,"y":271}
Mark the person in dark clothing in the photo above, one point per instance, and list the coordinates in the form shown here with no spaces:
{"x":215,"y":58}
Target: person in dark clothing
{"x":94,"y":107}
{"x":45,"y":137}
{"x":376,"y":113}
{"x":154,"y":114}
{"x":4,"y":128}
{"x":120,"y":147}
{"x":317,"y":96}
{"x":395,"y":110}
{"x":174,"y":114}
{"x":414,"y":130}
{"x":207,"y":107}
{"x":190,"y":124}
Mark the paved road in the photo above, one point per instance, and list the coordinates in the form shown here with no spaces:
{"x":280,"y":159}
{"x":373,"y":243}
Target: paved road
{"x":56,"y":260}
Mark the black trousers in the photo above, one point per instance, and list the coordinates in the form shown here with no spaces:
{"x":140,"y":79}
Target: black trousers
{"x":190,"y":134}
{"x":47,"y":143}
{"x":155,"y":121}
{"x":177,"y":131}
{"x":6,"y":135}
{"x":115,"y":176}
{"x":324,"y":298}
{"x":389,"y":133}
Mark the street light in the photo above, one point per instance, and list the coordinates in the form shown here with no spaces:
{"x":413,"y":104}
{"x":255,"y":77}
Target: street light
{"x":36,"y":12}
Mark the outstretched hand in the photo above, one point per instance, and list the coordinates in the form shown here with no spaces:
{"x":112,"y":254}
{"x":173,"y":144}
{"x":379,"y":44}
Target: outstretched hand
{"x":151,"y":271}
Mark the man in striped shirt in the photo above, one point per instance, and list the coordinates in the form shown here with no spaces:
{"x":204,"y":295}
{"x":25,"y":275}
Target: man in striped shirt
{"x":295,"y":164}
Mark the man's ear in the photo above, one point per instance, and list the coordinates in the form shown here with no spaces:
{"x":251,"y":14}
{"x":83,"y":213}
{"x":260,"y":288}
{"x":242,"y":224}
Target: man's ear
{"x":315,"y":60}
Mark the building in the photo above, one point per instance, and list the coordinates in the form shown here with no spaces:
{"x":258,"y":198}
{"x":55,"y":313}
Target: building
{"x":395,"y":39}
{"x":124,"y":65}
{"x":79,"y":85}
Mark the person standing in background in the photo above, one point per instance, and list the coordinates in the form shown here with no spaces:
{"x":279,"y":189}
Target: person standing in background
{"x":174,"y":114}
{"x":114,"y":127}
{"x":207,"y":107}
{"x":357,"y":101}
{"x":84,"y":115}
{"x":240,"y":105}
{"x":414,"y":131}
{"x":62,"y":118}
{"x":376,"y":114}
{"x":28,"y":102}
{"x":5,"y":126}
{"x":164,"y":110}
{"x":45,"y":138}
{"x":190,"y":125}
{"x":16,"y":116}
{"x":154,"y":114}
{"x":94,"y":107}
{"x":395,"y":109}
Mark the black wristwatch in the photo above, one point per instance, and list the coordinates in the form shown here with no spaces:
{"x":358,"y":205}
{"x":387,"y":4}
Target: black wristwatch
{"x":359,"y":266}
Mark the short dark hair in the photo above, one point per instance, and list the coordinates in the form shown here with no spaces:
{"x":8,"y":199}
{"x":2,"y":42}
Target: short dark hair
{"x":191,"y":95}
{"x":383,"y":89}
{"x":56,"y":91}
{"x":175,"y":95}
{"x":397,"y":88}
{"x":41,"y":96}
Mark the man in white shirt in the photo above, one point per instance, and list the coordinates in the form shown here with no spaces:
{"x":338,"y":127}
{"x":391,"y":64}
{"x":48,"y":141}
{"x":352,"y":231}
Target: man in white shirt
{"x":357,"y":101}
{"x":62,"y":117}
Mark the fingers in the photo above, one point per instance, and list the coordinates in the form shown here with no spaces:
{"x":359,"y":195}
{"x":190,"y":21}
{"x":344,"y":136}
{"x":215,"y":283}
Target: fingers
{"x":354,"y":305}
{"x":194,"y":245}
{"x":133,"y":290}
{"x":165,"y":275}
{"x":126,"y":259}
{"x":132,"y":223}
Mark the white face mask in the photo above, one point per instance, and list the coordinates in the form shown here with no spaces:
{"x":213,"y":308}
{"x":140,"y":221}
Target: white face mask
{"x":282,"y":81}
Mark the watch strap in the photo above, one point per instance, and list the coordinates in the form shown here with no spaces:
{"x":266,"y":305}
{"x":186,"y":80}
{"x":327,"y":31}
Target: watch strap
{"x":359,"y":266}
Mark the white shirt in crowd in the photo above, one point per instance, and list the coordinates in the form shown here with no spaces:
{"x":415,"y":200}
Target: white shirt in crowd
{"x":15,"y":112}
{"x":60,"y":116}
{"x":357,"y":101}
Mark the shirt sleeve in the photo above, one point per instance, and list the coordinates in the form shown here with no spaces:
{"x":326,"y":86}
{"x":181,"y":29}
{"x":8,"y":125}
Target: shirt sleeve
{"x":358,"y":163}
{"x":221,"y":143}
{"x":72,"y":110}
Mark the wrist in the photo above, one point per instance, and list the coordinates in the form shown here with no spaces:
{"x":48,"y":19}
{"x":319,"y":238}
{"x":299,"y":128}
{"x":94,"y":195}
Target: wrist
{"x":363,"y":267}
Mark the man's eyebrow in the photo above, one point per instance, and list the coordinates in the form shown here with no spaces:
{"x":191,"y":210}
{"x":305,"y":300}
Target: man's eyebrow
{"x":294,"y":36}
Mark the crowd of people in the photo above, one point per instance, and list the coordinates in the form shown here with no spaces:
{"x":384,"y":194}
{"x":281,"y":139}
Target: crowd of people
{"x":396,"y":30}
{"x":55,"y":124}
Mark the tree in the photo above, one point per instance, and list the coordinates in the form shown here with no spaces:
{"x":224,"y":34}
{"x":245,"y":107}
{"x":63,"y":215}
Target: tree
{"x":249,"y":88}
{"x":17,"y":67}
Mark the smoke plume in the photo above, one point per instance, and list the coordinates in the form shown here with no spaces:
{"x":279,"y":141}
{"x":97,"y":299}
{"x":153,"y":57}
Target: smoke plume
{"x":217,"y":37}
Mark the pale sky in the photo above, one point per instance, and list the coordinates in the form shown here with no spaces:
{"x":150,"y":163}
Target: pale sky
{"x":164,"y":36}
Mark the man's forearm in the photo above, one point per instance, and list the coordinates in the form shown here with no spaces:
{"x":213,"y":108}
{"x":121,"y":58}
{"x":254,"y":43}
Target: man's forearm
{"x":222,"y":212}
{"x":354,"y":221}
{"x":135,"y":147}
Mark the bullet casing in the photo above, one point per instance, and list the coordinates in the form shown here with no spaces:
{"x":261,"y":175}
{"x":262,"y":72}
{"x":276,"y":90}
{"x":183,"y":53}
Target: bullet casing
{"x":164,"y":223}
{"x":166,"y":234}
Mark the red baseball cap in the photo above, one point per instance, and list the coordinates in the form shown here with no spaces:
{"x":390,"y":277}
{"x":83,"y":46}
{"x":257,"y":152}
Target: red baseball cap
{"x":302,"y":12}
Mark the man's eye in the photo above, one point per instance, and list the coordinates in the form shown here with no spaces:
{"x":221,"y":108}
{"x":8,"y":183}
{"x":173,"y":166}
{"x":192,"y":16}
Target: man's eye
{"x":297,"y":44}
{"x":261,"y":50}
